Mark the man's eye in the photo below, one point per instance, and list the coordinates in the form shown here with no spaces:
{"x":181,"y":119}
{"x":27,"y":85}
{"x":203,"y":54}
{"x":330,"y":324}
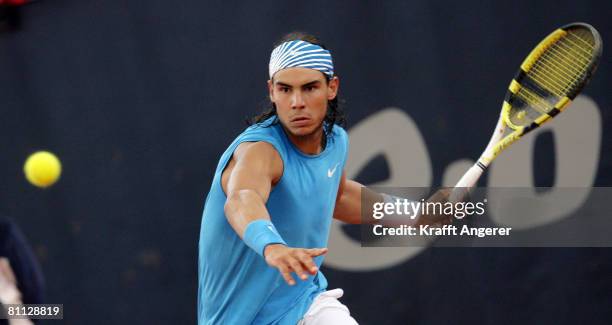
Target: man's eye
{"x":310,"y":88}
{"x":284,"y":89}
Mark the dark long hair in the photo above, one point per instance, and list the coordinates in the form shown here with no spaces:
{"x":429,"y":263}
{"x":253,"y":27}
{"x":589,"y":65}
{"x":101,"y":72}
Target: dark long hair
{"x":334,"y":115}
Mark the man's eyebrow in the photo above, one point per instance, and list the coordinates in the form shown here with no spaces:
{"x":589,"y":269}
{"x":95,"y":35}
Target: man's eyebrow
{"x":282,"y":84}
{"x":311,"y":83}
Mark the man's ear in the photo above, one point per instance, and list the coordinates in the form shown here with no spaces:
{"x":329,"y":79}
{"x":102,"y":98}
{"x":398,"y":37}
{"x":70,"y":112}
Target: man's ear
{"x":271,"y":90}
{"x":333,"y":86}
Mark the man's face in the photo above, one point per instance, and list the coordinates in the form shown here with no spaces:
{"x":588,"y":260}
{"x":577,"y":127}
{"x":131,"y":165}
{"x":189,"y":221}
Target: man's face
{"x":301,"y":97}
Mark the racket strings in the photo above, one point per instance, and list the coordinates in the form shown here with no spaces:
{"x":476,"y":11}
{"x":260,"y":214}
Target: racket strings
{"x":568,"y":59}
{"x":527,"y":106}
{"x":564,"y":61}
{"x":573,"y":76}
{"x":546,"y":101}
{"x":534,"y":100}
{"x":571,"y":48}
{"x":562,"y":67}
{"x":551,"y":79}
{"x":548,"y":72}
{"x":582,"y":36}
{"x":576,"y":43}
{"x":583,"y":49}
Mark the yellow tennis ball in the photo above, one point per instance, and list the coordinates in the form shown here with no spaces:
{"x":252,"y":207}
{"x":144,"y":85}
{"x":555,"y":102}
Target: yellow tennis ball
{"x":42,"y":169}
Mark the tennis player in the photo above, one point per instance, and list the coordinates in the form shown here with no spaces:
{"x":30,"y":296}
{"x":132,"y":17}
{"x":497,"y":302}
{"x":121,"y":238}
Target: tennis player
{"x":276,"y":188}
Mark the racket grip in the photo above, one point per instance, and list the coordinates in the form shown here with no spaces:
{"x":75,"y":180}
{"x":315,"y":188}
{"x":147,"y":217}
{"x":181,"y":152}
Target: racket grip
{"x":465,"y":184}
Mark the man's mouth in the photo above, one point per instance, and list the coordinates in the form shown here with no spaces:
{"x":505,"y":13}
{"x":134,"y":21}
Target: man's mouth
{"x":300,"y":120}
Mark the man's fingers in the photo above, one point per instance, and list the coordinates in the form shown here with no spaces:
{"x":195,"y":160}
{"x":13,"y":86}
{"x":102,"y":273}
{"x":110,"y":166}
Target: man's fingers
{"x":309,"y":264}
{"x":284,"y":271}
{"x":440,"y":195}
{"x":317,"y":251}
{"x":298,"y":269}
{"x":298,"y":260}
{"x":306,"y":259}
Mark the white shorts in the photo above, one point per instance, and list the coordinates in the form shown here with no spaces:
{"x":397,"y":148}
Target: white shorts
{"x":326,"y":309}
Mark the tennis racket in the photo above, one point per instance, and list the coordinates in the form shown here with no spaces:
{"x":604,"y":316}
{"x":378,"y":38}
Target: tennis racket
{"x":551,"y":76}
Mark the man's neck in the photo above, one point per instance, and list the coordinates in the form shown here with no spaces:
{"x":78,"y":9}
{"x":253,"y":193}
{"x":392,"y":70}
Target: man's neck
{"x":312,"y":144}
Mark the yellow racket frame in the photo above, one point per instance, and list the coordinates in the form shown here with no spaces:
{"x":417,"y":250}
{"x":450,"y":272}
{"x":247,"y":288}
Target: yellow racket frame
{"x":497,"y":143}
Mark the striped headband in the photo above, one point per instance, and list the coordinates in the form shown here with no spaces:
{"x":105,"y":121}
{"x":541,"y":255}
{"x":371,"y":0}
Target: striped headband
{"x":301,"y":54}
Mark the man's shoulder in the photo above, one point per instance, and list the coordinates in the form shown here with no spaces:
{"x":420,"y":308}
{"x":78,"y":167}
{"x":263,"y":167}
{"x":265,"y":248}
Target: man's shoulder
{"x":263,"y":136}
{"x":340,"y":134}
{"x":339,"y":130}
{"x":255,"y":149}
{"x":267,"y":127}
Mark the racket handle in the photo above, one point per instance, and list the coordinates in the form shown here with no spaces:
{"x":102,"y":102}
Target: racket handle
{"x":465,"y":184}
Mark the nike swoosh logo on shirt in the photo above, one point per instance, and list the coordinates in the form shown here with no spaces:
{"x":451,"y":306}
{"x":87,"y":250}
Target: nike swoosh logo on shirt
{"x":330,"y":172}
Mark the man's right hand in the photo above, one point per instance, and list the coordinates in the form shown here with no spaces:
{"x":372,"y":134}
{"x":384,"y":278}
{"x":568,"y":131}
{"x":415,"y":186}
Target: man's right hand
{"x":288,"y":259}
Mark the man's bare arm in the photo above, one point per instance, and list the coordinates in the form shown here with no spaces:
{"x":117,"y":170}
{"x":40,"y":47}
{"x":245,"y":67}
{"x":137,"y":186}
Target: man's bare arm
{"x":247,"y":180}
{"x":349,"y":203}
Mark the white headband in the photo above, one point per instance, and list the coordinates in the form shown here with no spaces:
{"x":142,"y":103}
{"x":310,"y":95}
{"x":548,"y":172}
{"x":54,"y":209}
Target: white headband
{"x":301,"y":54}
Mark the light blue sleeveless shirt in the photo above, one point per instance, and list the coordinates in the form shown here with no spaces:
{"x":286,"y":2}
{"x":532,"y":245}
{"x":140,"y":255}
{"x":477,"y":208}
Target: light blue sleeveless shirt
{"x":236,"y":286}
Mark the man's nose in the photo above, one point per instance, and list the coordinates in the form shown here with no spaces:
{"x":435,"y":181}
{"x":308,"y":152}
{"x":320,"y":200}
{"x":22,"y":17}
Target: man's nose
{"x":297,"y":100}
